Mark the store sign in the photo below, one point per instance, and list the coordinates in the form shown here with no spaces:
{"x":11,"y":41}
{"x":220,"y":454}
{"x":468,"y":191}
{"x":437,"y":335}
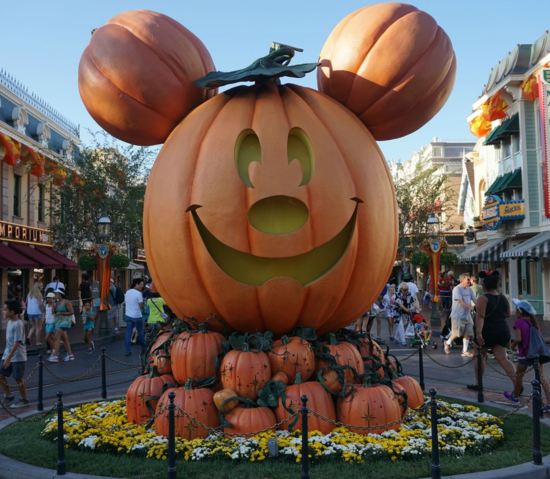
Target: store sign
{"x":141,"y":255}
{"x":24,"y":234}
{"x":496,"y":210}
{"x":544,"y":99}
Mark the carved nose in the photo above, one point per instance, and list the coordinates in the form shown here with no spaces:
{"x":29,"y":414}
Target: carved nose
{"x":278,"y":215}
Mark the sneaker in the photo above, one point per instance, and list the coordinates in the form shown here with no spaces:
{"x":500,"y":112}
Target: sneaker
{"x":380,"y":340}
{"x":90,"y":351}
{"x":21,"y":403}
{"x":447,"y":348}
{"x":403,"y":343}
{"x":467,"y":354}
{"x":8,"y":400}
{"x":53,"y":359}
{"x":510,"y":397}
{"x":128,"y":354}
{"x":69,"y":357}
{"x":392,"y":338}
{"x":93,"y":347}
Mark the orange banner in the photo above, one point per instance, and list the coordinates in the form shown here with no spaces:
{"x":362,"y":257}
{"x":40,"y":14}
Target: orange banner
{"x":37,"y":162}
{"x":13,"y":149}
{"x":530,"y":88}
{"x":434,"y":248}
{"x":479,"y":126}
{"x":494,"y":108}
{"x":104,"y":277}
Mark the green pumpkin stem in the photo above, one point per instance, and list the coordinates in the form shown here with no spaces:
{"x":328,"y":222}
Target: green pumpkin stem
{"x":298,"y":378}
{"x":332,"y":340}
{"x":153,"y":373}
{"x":285,"y":340}
{"x":188,"y":384}
{"x":246,"y":348}
{"x":367,"y":381}
{"x":203,"y":327}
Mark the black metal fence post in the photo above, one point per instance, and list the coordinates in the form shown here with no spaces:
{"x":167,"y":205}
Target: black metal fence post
{"x":305,"y":440}
{"x":536,"y":366}
{"x":436,"y":468}
{"x":537,"y":454}
{"x":40,"y":403}
{"x":103,"y":375}
{"x":171,"y":437}
{"x":421,"y":366}
{"x":61,"y":465}
{"x":480,"y":397}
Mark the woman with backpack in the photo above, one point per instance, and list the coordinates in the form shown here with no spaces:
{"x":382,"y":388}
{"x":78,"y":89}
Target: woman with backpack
{"x":525,"y":320}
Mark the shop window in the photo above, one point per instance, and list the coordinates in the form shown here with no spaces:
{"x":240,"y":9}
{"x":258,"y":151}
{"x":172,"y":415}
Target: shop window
{"x":531,"y":268}
{"x":519,"y":276}
{"x":515,"y":143}
{"x":437,"y":151}
{"x":41,"y":203}
{"x":16,"y":195}
{"x":506,"y":148}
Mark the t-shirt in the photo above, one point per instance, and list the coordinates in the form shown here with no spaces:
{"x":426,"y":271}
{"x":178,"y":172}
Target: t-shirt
{"x":50,"y":318}
{"x":33,"y":305}
{"x":477,"y":289}
{"x":156,"y":308}
{"x":112,"y":296}
{"x":15,"y":332}
{"x":55,"y":285}
{"x":523,"y":325}
{"x":87,"y":319}
{"x":465,"y":294}
{"x":132,"y":298}
{"x":85,"y":290}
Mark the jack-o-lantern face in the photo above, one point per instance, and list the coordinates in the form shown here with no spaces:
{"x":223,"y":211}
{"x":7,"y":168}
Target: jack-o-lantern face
{"x":253,"y":211}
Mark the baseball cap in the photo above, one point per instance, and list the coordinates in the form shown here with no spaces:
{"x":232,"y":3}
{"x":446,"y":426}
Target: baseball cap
{"x":418,"y":318}
{"x":524,"y":305}
{"x":50,"y":295}
{"x":112,"y":280}
{"x":407,"y":276}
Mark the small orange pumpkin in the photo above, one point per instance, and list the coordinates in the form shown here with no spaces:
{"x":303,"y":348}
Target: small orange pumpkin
{"x":135,"y":77}
{"x":145,"y":387}
{"x":223,"y":395}
{"x":372,"y":354}
{"x":198,"y":403}
{"x":369,"y":406}
{"x":391,"y":64}
{"x":161,"y":352}
{"x":247,"y":421}
{"x":292,"y":355}
{"x":415,"y":396}
{"x":280,"y":376}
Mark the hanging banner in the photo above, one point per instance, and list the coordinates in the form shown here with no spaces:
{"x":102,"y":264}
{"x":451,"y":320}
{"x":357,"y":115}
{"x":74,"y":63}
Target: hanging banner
{"x":12,"y":147}
{"x":544,"y":99}
{"x":103,"y":254}
{"x":434,"y":247}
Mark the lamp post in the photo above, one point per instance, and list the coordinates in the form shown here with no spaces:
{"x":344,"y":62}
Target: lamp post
{"x":104,"y":250}
{"x":434,"y":245}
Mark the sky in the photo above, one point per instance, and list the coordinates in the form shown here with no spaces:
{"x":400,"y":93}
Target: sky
{"x":42,"y":42}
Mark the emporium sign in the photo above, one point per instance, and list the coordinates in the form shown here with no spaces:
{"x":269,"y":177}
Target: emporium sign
{"x":496,"y":210}
{"x":24,"y":234}
{"x":544,"y":99}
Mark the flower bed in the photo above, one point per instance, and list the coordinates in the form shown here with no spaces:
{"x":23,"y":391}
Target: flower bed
{"x":103,"y":427}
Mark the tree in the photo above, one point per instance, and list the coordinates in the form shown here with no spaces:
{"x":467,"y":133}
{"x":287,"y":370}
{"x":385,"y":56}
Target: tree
{"x":109,"y":180}
{"x":419,"y":193}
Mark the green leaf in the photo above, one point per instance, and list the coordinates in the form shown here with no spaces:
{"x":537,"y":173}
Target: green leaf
{"x":270,"y":394}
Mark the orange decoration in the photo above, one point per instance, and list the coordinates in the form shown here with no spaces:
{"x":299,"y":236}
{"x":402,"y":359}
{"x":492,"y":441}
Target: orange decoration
{"x":415,"y":396}
{"x":369,"y":406}
{"x":247,"y":421}
{"x":245,"y":372}
{"x":221,"y":396}
{"x":292,"y":355}
{"x":198,"y":403}
{"x":494,"y":108}
{"x":135,"y":77}
{"x":391,"y":64}
{"x":144,"y":388}
{"x":530,"y":88}
{"x":319,"y":401}
{"x":37,"y":161}
{"x":398,"y":389}
{"x":337,"y":189}
{"x":194,"y":353}
{"x":280,"y":376}
{"x":372,"y":354}
{"x":479,"y":126}
{"x":13,"y":149}
{"x":160,"y":353}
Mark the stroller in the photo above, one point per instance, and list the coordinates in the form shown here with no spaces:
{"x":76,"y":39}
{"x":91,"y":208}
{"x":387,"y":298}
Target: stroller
{"x":419,"y":331}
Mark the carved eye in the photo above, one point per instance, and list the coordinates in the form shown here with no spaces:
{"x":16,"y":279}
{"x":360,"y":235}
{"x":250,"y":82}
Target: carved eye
{"x":299,"y":148}
{"x":247,"y":150}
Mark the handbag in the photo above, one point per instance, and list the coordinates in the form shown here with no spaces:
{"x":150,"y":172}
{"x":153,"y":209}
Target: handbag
{"x":162,"y":314}
{"x":409,"y":332}
{"x":73,"y":319}
{"x":537,"y":346}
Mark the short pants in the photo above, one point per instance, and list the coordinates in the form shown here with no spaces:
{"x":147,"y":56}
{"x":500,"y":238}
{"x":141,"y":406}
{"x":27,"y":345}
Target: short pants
{"x":88,"y":327}
{"x":16,"y":368}
{"x":462,"y":327}
{"x":50,"y":328}
{"x":63,"y":328}
{"x":525,"y":362}
{"x":34,"y":317}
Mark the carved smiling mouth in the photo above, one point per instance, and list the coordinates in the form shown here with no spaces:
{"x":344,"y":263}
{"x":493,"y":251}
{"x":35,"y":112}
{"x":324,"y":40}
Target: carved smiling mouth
{"x":306,"y":268}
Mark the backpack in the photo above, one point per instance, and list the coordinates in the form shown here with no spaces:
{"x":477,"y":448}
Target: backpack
{"x":537,"y":346}
{"x":119,"y":296}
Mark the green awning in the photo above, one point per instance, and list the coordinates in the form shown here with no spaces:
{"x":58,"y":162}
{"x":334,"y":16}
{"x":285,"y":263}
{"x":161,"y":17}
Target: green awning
{"x":495,"y":186}
{"x":509,"y":127}
{"x":510,"y":181}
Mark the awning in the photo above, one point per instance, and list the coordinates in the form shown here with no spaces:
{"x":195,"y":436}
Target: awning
{"x":486,"y":253}
{"x":65,"y":262}
{"x":495,"y":186}
{"x":43,"y":260}
{"x":509,"y":181}
{"x":136,"y":266}
{"x":9,"y":258}
{"x":536,"y":247}
{"x":509,"y":127}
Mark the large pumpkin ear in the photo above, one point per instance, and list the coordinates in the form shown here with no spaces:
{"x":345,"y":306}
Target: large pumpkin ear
{"x":136,"y":76}
{"x":391,"y":65}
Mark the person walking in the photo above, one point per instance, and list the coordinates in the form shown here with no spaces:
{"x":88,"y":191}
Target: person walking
{"x":476,"y":287}
{"x":88,"y":326}
{"x":156,"y":307}
{"x":84,"y":291}
{"x":406,"y":305}
{"x":525,"y":320}
{"x":413,"y":288}
{"x":462,"y":324}
{"x":389,"y":300}
{"x":134,"y":307}
{"x":492,"y":330}
{"x":35,"y":312}
{"x":112,"y":314}
{"x":15,"y":355}
{"x":445,"y":291}
{"x":64,"y":313}
{"x":50,"y":322}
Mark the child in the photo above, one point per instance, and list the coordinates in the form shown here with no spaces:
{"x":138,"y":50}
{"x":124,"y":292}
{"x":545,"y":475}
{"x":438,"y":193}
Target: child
{"x":15,"y":355}
{"x":88,"y":325}
{"x":421,"y":327}
{"x":50,"y":321}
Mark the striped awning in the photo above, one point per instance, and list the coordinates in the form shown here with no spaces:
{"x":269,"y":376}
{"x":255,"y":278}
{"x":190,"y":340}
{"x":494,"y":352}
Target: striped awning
{"x":486,"y":253}
{"x":536,"y":247}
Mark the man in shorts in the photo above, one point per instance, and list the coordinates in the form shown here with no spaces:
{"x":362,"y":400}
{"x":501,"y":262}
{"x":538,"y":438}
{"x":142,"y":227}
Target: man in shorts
{"x":461,"y":315}
{"x":15,"y":355}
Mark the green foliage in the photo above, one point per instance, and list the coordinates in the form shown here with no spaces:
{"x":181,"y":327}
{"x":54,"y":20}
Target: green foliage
{"x":87,"y":262}
{"x":420,"y":259}
{"x":110,"y":180}
{"x":448,"y":258}
{"x":119,"y":261}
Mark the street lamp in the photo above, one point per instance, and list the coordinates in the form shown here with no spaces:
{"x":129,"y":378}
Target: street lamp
{"x":434,"y":246}
{"x":104,"y":250}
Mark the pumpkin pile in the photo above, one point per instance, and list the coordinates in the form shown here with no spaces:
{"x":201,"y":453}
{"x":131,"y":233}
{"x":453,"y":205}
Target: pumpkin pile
{"x":247,"y":383}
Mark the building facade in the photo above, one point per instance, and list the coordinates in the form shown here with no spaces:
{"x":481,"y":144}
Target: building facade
{"x":504,"y":190}
{"x":35,"y":155}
